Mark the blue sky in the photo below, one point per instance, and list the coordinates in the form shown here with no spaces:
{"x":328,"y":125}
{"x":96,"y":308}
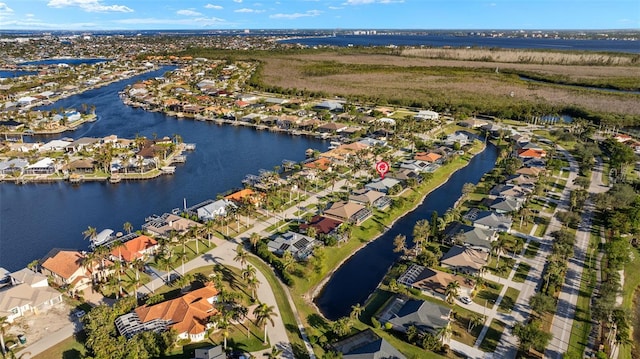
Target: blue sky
{"x":318,"y":14}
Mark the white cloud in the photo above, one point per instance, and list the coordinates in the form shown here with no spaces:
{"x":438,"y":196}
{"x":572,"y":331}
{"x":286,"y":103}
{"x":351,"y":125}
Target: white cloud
{"x":89,"y":5}
{"x":238,"y":1}
{"x":30,"y":15}
{"x":202,"y":21}
{"x":335,"y":7}
{"x":215,"y":7}
{"x":5,"y":9}
{"x":248,"y":11}
{"x":296,"y":15}
{"x":188,"y":13}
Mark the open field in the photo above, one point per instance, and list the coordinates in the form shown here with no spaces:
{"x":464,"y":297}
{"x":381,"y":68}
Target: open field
{"x":436,"y":82}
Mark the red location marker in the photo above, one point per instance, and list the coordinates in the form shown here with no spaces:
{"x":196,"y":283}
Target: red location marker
{"x":382,"y":167}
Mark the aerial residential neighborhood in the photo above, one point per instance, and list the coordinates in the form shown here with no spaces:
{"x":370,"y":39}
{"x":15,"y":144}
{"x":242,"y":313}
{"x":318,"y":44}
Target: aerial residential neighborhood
{"x":172,"y":198}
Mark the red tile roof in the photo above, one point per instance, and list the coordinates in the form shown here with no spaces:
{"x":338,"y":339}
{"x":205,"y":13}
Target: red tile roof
{"x":64,"y":263}
{"x":132,"y":249}
{"x":188,"y":313}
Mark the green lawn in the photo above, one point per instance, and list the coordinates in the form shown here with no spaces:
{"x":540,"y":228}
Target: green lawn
{"x":543,"y":223}
{"x":70,"y":348}
{"x":521,"y":272}
{"x":491,"y":340}
{"x":532,"y":249}
{"x":509,"y":300}
{"x":488,"y":295}
{"x":631,"y":283}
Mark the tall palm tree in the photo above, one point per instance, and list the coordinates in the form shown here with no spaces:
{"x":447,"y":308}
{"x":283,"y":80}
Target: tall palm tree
{"x":127,"y":227}
{"x":241,"y":257}
{"x":356,"y":311}
{"x":208,"y":230}
{"x":182,"y":256}
{"x":264,"y":314}
{"x":90,"y":233}
{"x":444,"y":333}
{"x":252,"y":285}
{"x":249,"y":272}
{"x":452,"y":291}
{"x":475,"y":320}
{"x":498,"y":248}
{"x":254,"y":239}
{"x":287,"y":260}
{"x":421,"y":232}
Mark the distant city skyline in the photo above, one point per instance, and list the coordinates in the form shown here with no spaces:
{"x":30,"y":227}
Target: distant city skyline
{"x":90,"y":15}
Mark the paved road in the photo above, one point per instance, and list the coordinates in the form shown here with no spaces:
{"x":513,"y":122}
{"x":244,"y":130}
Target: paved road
{"x":565,"y":312}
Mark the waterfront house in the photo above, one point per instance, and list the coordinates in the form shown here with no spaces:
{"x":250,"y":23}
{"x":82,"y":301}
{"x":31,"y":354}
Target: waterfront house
{"x":322,"y":164}
{"x":370,"y":198}
{"x":430,"y":157}
{"x":80,"y":166}
{"x":28,"y":293}
{"x":426,"y":115}
{"x":523,"y":181}
{"x":531,"y":153}
{"x":403,"y":175}
{"x":464,"y":259}
{"x":324,"y":227}
{"x":418,"y":166}
{"x":137,"y":248}
{"x":300,"y":246}
{"x":470,"y":236}
{"x":457,"y":137}
{"x":382,"y":184}
{"x":366,"y":345}
{"x":331,"y":127}
{"x":246,"y":195}
{"x":67,"y":268}
{"x":403,"y":313}
{"x":214,"y":209}
{"x":44,"y":166}
{"x":348,"y":212}
{"x":502,"y":205}
{"x":84,"y":143}
{"x":489,"y":220}
{"x":433,"y":282}
{"x":163,"y":226}
{"x":14,"y":166}
{"x":188,"y":315}
{"x":54,"y":146}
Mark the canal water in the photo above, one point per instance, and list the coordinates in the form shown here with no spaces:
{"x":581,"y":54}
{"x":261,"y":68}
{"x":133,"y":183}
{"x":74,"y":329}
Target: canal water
{"x":37,"y":217}
{"x":359,"y":276}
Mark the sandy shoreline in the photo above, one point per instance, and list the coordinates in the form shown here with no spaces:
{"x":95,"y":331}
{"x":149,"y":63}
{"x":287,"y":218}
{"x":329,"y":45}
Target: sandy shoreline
{"x":316,"y":290}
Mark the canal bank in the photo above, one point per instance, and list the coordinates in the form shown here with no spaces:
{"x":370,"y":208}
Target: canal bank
{"x":37,"y":217}
{"x":358,"y":275}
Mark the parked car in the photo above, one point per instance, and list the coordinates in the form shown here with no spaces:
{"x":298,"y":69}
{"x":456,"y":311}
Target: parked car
{"x":465,"y":300}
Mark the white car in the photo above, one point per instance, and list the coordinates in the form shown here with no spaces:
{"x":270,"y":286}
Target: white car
{"x":465,"y":300}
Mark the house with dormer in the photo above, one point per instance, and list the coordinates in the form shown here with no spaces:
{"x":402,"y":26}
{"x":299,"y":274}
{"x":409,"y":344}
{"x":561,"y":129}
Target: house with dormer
{"x":28,"y":293}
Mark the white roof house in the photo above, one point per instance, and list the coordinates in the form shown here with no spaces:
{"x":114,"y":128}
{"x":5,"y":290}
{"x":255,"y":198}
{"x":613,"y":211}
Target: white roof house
{"x":214,"y":209}
{"x":426,"y":115}
{"x":54,"y":145}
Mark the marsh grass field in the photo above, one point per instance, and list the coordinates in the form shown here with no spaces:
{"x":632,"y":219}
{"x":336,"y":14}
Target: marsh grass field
{"x":464,"y":78}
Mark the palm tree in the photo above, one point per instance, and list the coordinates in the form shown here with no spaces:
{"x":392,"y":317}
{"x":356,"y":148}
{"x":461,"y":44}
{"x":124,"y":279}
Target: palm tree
{"x":127,"y":227}
{"x":287,"y":260}
{"x":274,"y":353}
{"x":452,"y":291}
{"x":208,"y":230}
{"x":252,"y":285}
{"x":444,"y":333}
{"x":264,"y":313}
{"x":182,"y":256}
{"x":475,"y":320}
{"x":421,"y":232}
{"x":248,"y":272}
{"x":498,"y":247}
{"x":356,"y":311}
{"x":241,"y":256}
{"x":90,"y":233}
{"x":254,"y":239}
